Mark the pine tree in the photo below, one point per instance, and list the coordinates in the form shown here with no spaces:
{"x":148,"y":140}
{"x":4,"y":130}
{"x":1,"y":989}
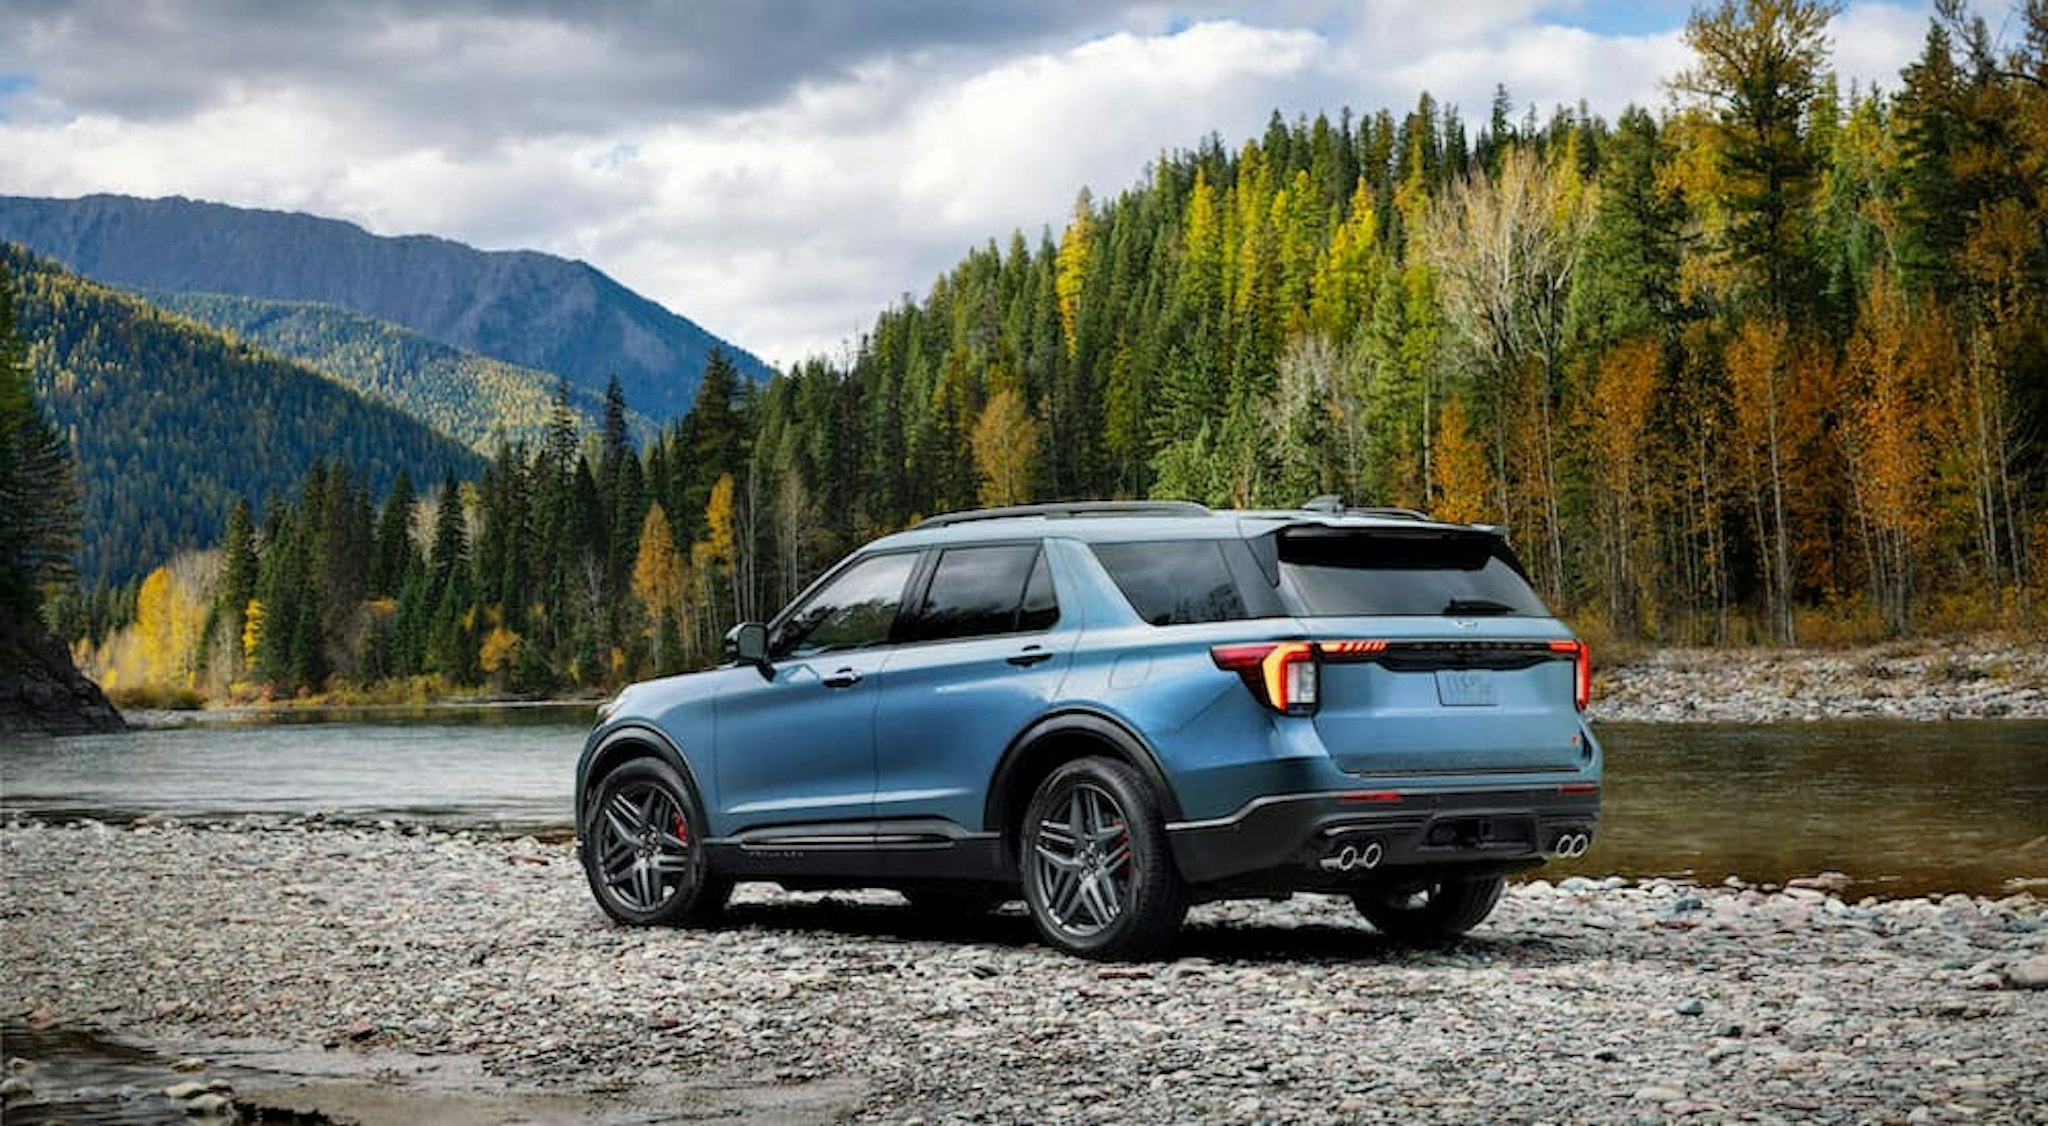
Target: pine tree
{"x":1759,"y":68}
{"x":39,"y":511}
{"x":395,"y":555}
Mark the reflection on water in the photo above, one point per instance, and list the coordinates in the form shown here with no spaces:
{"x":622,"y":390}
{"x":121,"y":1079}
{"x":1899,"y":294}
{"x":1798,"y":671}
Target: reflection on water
{"x":1903,"y":808}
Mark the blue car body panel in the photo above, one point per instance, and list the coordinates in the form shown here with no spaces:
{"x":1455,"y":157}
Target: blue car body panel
{"x":1464,"y":720}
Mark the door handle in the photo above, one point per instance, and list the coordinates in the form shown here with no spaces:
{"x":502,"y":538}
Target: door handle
{"x":1031,"y":655}
{"x":844,"y":678}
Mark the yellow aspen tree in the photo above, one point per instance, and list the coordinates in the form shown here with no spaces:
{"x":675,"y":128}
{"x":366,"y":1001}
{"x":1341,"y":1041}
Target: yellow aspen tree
{"x":153,"y":628}
{"x":657,"y":570}
{"x":1889,"y":446}
{"x":715,"y":555}
{"x":1617,"y":426}
{"x":1463,"y":488}
{"x":1077,"y":248}
{"x":499,"y":649}
{"x":1006,"y":441}
{"x":170,"y":619}
{"x":1758,"y":364}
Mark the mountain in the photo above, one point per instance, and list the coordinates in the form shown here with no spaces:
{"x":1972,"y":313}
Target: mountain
{"x":476,"y":399}
{"x":170,"y":421}
{"x":522,"y":307}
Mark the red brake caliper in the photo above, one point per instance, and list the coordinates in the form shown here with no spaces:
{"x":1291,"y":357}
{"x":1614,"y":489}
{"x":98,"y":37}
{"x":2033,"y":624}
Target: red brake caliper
{"x":682,"y":830}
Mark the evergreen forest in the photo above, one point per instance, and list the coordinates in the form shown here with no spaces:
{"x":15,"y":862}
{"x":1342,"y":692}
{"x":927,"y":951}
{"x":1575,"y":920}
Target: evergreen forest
{"x":473,"y":398}
{"x":1769,"y":365}
{"x":169,"y":422}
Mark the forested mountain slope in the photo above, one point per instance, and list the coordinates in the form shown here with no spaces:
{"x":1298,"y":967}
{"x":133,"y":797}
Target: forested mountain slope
{"x":1775,"y":358}
{"x":171,"y":421}
{"x":526,"y":308}
{"x":476,"y":399}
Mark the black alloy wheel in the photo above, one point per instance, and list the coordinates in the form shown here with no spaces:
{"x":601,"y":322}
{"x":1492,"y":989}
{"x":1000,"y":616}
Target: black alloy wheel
{"x":1098,"y":878}
{"x":643,"y":848}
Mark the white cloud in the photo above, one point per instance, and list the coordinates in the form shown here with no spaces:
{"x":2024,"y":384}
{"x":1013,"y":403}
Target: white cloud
{"x":1872,"y":41}
{"x":781,"y":205}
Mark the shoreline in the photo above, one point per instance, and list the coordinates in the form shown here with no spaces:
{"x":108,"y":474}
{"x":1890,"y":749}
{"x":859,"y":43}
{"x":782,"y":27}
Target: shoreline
{"x":1983,"y":676}
{"x":357,"y":971}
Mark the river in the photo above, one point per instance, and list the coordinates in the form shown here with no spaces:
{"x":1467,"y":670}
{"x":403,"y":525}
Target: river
{"x":1901,"y":808}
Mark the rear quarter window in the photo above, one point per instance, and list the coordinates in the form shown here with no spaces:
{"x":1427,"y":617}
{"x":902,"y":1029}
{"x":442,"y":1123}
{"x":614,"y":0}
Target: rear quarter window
{"x":1179,"y":582}
{"x":1328,"y":572}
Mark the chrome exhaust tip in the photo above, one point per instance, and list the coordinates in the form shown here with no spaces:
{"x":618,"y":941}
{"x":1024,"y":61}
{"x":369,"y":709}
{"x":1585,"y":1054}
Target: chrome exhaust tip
{"x":1352,"y":857}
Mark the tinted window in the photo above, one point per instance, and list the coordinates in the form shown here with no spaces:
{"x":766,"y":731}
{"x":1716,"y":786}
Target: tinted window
{"x":854,"y":610}
{"x":980,"y":591}
{"x":1175,"y":582}
{"x":1461,"y":574}
{"x":1040,"y":611}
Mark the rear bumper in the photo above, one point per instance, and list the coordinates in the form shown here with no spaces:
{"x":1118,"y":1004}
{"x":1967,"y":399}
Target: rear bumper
{"x":1300,"y":841}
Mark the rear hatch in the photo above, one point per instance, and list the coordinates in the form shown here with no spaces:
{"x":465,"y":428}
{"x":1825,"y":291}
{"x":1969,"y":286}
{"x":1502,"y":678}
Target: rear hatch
{"x":1436,"y":656}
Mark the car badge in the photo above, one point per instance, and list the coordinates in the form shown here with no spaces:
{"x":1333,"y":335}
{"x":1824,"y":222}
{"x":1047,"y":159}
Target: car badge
{"x":1465,"y":623}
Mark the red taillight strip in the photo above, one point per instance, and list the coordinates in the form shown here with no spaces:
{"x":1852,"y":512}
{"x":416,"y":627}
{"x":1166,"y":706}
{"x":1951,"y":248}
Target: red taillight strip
{"x":1579,"y":789}
{"x":1263,"y":668}
{"x":1342,"y":649}
{"x":1367,"y":797}
{"x":1275,"y":669}
{"x":1582,"y":669}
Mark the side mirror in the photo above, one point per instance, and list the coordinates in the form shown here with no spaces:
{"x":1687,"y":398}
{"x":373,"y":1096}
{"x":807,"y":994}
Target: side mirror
{"x":747,"y":643}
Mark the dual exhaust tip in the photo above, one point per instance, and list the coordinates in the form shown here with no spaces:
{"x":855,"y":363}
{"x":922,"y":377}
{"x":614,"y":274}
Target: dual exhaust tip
{"x":1365,"y":857}
{"x":1353,"y":858}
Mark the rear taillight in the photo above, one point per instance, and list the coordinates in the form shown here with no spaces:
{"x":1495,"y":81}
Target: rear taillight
{"x":1283,"y":675}
{"x":1582,"y":670}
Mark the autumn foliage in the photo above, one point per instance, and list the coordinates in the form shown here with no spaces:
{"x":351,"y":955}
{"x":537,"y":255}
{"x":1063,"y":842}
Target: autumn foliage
{"x":1770,"y":364}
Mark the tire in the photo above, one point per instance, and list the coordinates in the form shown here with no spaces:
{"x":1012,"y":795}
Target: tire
{"x":1433,"y":912}
{"x":643,"y":848}
{"x":1098,"y":878}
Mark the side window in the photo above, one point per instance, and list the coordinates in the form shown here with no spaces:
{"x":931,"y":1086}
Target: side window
{"x":982,"y":591}
{"x":1177,"y":582}
{"x":1040,"y":610}
{"x":853,"y":611}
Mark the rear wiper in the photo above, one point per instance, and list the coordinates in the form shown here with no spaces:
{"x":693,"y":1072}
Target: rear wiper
{"x":1476,"y":606}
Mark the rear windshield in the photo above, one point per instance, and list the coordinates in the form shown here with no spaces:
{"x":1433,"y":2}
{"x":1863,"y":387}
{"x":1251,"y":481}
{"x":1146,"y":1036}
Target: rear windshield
{"x":1328,"y":572}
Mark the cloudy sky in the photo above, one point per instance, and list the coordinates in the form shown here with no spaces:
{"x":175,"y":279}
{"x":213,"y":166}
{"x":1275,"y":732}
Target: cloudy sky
{"x":778,"y":170}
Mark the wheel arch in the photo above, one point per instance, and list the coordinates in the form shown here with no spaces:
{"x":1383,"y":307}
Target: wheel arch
{"x":1052,"y":742}
{"x":625,"y":742}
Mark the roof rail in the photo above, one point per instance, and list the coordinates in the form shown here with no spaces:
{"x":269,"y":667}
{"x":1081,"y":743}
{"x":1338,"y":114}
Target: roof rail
{"x":1069,"y":509}
{"x":1333,"y":505}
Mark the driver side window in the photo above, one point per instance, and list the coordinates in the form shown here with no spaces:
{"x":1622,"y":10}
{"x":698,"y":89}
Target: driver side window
{"x":853,"y":611}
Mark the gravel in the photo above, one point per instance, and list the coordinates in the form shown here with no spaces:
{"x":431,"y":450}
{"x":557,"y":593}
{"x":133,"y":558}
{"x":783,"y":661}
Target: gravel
{"x":1982,"y":677}
{"x":408,"y":952}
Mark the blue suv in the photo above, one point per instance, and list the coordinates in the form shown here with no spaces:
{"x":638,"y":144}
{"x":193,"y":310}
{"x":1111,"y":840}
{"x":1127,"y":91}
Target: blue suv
{"x":1114,"y":710}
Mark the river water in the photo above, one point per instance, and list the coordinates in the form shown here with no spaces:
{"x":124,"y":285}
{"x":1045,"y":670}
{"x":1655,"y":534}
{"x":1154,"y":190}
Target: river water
{"x":1902,"y":808}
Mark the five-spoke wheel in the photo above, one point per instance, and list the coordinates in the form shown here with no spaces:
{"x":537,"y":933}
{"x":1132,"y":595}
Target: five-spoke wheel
{"x":643,"y":851}
{"x":1097,"y":876}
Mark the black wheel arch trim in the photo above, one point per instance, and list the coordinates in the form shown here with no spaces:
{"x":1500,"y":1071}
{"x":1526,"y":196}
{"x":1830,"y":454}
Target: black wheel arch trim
{"x":616,"y":744}
{"x":1100,"y":726}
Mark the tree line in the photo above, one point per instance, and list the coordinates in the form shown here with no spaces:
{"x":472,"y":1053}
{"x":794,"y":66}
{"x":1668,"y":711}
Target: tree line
{"x":1771,"y":364}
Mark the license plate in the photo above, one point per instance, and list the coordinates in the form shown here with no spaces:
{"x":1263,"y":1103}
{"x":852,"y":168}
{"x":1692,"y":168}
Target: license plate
{"x":1466,"y":688}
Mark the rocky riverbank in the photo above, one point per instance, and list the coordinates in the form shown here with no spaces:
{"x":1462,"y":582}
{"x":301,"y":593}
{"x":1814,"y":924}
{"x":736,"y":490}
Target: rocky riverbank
{"x":371,"y":973}
{"x":1980,"y":677}
{"x":41,"y":690}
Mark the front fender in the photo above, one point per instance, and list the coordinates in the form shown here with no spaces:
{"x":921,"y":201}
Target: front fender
{"x":625,"y":739}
